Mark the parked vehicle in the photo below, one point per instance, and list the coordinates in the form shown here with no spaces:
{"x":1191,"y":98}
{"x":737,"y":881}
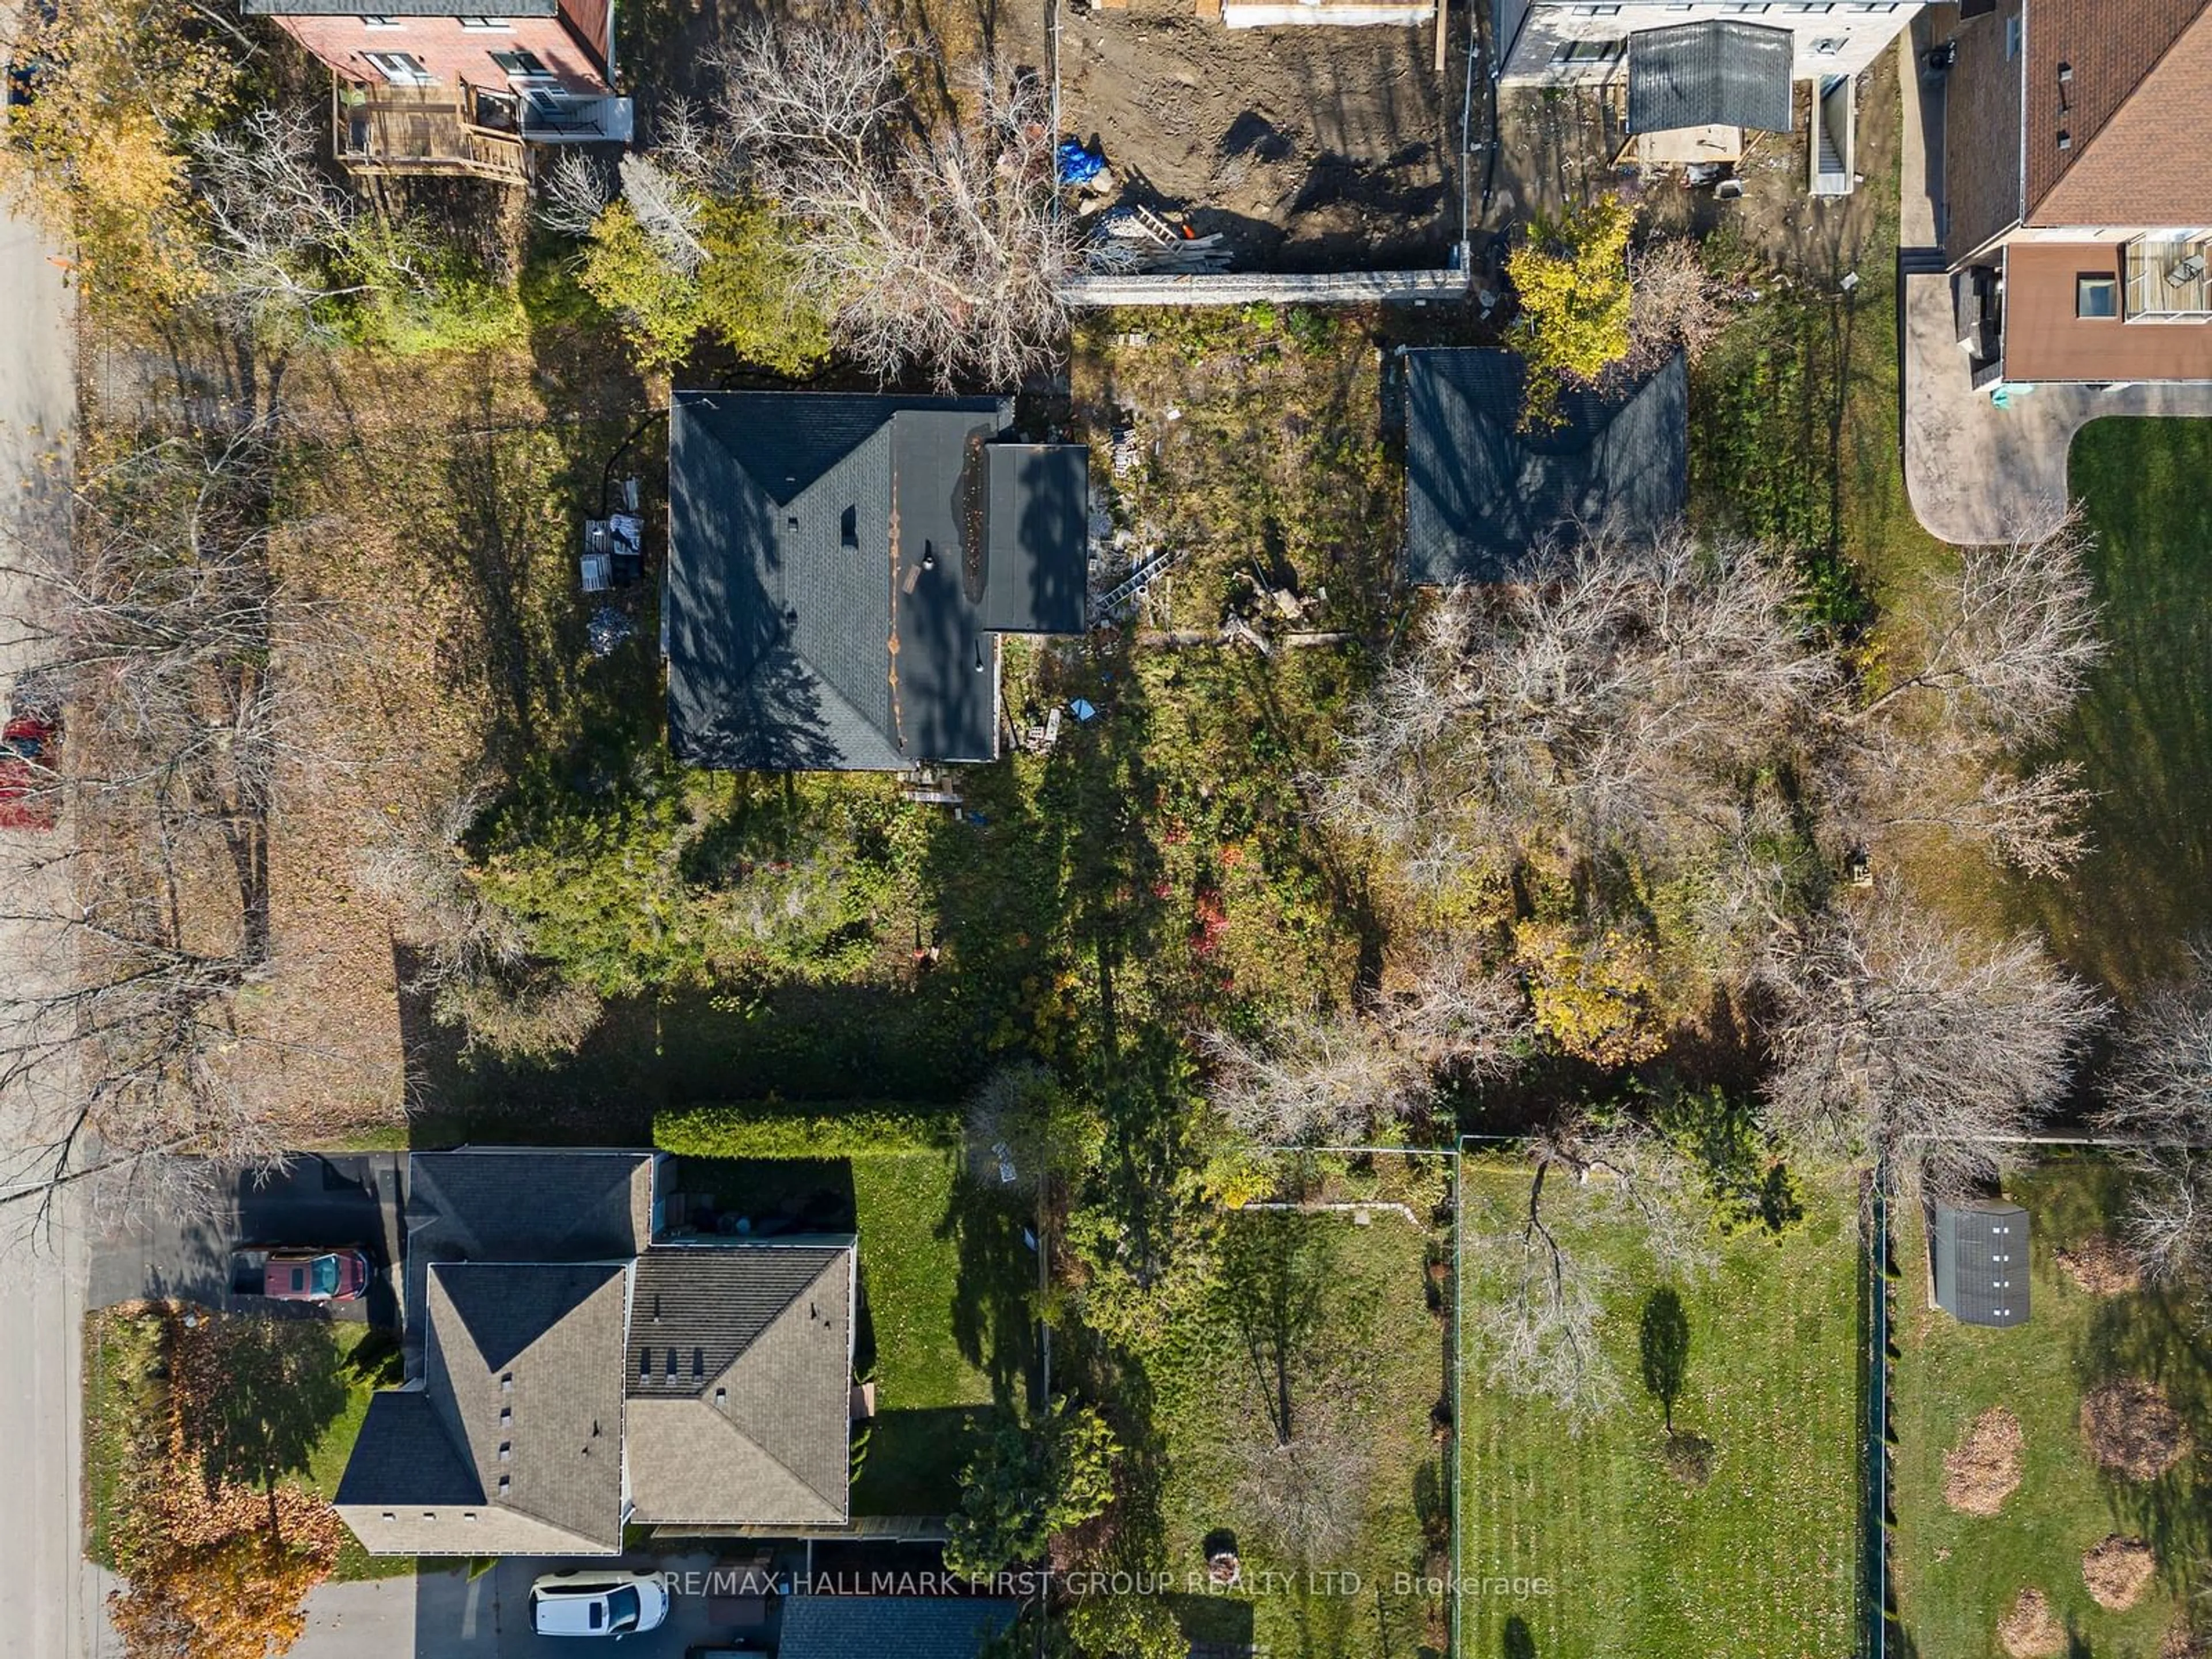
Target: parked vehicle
{"x":594,"y":1603}
{"x":30,"y":745}
{"x":300,"y":1275}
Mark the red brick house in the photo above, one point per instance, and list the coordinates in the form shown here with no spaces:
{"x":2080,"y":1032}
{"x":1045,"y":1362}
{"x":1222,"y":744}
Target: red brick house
{"x":419,"y":89}
{"x":2077,"y":203}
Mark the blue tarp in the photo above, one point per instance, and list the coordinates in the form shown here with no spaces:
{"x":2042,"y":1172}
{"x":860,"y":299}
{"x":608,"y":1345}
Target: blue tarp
{"x":1078,"y":164}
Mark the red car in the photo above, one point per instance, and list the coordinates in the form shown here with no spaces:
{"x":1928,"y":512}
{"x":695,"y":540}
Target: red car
{"x":305,"y":1275}
{"x":30,"y":778}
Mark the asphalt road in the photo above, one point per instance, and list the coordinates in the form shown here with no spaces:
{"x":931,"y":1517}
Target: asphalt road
{"x":49,"y":1602}
{"x":326,"y":1202}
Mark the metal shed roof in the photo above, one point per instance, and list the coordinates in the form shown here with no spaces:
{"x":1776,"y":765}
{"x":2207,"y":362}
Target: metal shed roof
{"x":1720,"y":73}
{"x":1980,"y":1261}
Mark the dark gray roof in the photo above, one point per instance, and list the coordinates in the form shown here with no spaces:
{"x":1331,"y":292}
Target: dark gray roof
{"x":873,"y":1627}
{"x":738,"y":1377}
{"x":405,"y":1457}
{"x":1980,"y":1261}
{"x":526,"y":1204}
{"x":1720,"y":73}
{"x":1040,"y":499}
{"x":1481,"y":496}
{"x":832,"y":570}
{"x":399,"y":8}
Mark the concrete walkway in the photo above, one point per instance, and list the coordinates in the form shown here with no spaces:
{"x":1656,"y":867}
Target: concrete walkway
{"x":1973,"y":471}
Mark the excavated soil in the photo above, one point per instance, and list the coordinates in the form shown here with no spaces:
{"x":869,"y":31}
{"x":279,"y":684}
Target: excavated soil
{"x":2132,"y":1430}
{"x":1983,"y":1469}
{"x":2031,"y":1630}
{"x":1308,"y":149}
{"x":2118,"y":1570}
{"x":2102,"y":1266}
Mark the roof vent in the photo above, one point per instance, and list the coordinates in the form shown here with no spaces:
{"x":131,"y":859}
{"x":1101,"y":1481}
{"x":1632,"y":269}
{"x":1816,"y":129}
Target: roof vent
{"x":2065,"y":75}
{"x":721,"y":1397}
{"x":698,"y":1362}
{"x":2065,"y":139}
{"x":503,"y":1484}
{"x":791,"y":615}
{"x":848,"y":527}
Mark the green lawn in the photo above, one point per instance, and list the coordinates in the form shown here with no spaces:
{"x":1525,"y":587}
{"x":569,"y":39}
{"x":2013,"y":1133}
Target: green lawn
{"x":1757,"y":1563}
{"x":1367,"y":1371}
{"x":1957,"y":1575}
{"x":947,"y":1283}
{"x":2143,"y":731}
{"x":298,"y":1391}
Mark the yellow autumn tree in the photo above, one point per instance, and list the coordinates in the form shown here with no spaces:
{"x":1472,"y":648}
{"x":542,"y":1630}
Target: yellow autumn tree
{"x":240,"y":1597}
{"x":1597,"y":996}
{"x":119,"y":88}
{"x":1571,"y":280}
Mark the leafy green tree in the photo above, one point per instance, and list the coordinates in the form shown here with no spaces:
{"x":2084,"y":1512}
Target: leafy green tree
{"x":1125,"y":1627}
{"x":753,"y":295}
{"x":597,"y":883}
{"x":1027,"y":1484}
{"x":660,"y":306}
{"x":1572,"y":279}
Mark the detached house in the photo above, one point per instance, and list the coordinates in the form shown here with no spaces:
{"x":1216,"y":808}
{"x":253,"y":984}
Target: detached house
{"x":2078,"y":203}
{"x":416,"y":88}
{"x":841,"y":570}
{"x":1710,"y":68}
{"x":572,"y":1368}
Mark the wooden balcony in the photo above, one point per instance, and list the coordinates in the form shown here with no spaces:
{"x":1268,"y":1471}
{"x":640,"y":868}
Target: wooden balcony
{"x":381,"y":129}
{"x":2168,"y":277}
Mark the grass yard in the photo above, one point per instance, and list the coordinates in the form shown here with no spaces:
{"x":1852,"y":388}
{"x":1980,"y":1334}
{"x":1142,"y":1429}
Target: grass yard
{"x":1759,"y":1561}
{"x":1366,"y":1368}
{"x":297,"y":1393}
{"x":947,"y":1325}
{"x":2140,"y":732}
{"x":1957,"y":1574}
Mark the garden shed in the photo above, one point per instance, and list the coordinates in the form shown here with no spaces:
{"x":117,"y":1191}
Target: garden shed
{"x":1979,"y":1261}
{"x":1719,"y":73}
{"x":1486,"y":488}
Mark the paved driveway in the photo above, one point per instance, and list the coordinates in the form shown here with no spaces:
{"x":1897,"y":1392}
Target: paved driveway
{"x":437,"y":1614}
{"x":1976,"y":472}
{"x":354,"y":1199}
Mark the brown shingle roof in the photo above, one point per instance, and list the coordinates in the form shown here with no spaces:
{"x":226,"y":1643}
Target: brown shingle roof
{"x":2137,"y":109}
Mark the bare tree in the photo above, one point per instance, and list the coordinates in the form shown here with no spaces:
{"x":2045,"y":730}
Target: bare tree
{"x":1673,"y":304}
{"x":930,"y":238}
{"x":2013,"y":635}
{"x":1896,"y":1038}
{"x":1307,"y":1496}
{"x":2159,"y":1093}
{"x":572,"y":193}
{"x":2029,"y":820}
{"x":1611,"y":697}
{"x":1537,"y":1320}
{"x":282,"y":239}
{"x":159,"y":626}
{"x":1334,"y":1075}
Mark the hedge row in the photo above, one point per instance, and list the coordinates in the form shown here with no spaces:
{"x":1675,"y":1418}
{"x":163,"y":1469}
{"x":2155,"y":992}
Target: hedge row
{"x":783,"y":1128}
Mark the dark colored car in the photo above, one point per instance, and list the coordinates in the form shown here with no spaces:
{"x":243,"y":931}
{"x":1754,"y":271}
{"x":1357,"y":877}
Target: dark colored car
{"x":30,"y":777}
{"x":309,"y":1275}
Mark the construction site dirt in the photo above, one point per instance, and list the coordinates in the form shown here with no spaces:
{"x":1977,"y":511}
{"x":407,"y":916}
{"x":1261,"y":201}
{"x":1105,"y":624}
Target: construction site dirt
{"x":1303,"y":149}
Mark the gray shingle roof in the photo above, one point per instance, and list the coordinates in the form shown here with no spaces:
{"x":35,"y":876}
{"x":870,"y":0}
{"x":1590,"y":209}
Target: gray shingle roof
{"x":737,"y":1374}
{"x":1040,"y":497}
{"x":527,"y":1203}
{"x":1482,"y":496}
{"x":1980,"y":1263}
{"x":405,"y":1457}
{"x":830,"y":570}
{"x":873,"y":1626}
{"x":1718,"y":73}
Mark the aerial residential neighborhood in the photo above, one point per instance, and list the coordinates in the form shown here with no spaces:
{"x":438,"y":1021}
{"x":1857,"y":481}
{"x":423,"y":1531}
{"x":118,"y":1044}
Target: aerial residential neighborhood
{"x":1119,"y":829}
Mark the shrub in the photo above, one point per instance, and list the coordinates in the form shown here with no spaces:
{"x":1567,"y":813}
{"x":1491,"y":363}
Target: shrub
{"x":776,"y":1129}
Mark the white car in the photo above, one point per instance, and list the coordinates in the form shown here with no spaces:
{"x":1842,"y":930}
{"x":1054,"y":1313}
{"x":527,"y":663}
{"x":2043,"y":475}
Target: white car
{"x":578,"y":1602}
